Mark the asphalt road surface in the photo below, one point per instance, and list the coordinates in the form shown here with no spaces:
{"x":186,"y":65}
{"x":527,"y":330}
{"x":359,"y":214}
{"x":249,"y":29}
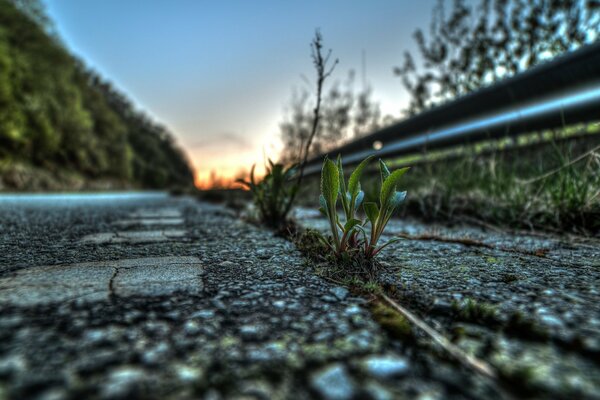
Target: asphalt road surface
{"x":143,"y":295}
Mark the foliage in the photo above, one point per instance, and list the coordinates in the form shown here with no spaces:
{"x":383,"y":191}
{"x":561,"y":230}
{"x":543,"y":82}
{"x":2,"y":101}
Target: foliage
{"x":273,"y":195}
{"x":345,"y":236}
{"x":474,"y":45}
{"x":57,"y":114}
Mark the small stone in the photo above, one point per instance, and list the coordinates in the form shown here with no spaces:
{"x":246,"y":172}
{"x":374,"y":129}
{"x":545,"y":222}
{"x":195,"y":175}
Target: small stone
{"x":205,"y":314}
{"x":352,"y":310}
{"x":252,"y":332}
{"x":191,"y":328}
{"x":95,"y":336}
{"x":279,"y":304}
{"x":188,"y":374}
{"x":123,"y":383}
{"x":333,"y":383}
{"x":340,"y":292}
{"x":226,"y":264}
{"x":12,"y":365}
{"x":329,"y":299}
{"x":156,"y":355}
{"x":552,"y":321}
{"x":300,"y":290}
{"x":384,"y":367}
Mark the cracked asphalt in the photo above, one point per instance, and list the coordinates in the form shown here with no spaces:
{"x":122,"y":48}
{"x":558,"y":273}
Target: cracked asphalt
{"x":257,"y":322}
{"x":225,"y":309}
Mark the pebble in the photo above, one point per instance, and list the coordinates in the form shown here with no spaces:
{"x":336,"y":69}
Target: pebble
{"x":551,"y":320}
{"x":279,"y":304}
{"x":188,"y":374}
{"x":122,"y":383}
{"x":156,"y":355}
{"x":191,"y":328}
{"x":203,"y":314}
{"x":384,"y":367}
{"x":252,"y":332}
{"x":340,"y":292}
{"x":333,"y":383}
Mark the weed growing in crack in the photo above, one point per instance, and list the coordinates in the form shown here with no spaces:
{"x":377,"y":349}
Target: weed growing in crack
{"x":350,"y":241}
{"x":273,"y":195}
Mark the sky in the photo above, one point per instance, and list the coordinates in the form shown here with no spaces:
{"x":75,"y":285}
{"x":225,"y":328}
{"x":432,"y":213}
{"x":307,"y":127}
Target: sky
{"x":219,"y":73}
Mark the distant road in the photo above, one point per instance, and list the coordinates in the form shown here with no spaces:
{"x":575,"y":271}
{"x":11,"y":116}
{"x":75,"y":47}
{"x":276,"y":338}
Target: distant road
{"x":46,"y":229}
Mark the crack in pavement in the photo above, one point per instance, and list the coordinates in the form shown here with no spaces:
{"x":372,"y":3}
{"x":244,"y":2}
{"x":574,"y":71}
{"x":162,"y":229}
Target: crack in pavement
{"x":111,"y":292}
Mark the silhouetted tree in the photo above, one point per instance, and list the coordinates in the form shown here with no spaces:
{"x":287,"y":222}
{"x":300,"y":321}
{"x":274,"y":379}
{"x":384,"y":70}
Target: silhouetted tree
{"x":473,"y":46}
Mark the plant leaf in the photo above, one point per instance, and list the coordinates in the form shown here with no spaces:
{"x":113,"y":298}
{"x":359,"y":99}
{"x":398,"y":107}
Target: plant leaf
{"x":354,"y":181}
{"x":397,"y":198}
{"x":330,"y":183}
{"x":388,"y":187}
{"x":393,"y":240}
{"x":341,"y":174}
{"x":323,"y":204}
{"x":359,"y":199}
{"x":372,"y":211}
{"x":351,"y":224}
{"x":290,"y":172}
{"x":385,"y":172}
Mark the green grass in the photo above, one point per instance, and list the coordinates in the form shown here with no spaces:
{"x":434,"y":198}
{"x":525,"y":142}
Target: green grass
{"x":555,"y":187}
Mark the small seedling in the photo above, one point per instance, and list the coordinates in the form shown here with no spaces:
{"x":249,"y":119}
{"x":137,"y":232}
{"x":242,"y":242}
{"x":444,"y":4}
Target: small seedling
{"x":274,"y":194}
{"x":345,"y":236}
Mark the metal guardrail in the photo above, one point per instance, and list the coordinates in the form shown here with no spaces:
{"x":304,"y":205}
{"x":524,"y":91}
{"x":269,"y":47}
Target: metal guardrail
{"x":560,"y":92}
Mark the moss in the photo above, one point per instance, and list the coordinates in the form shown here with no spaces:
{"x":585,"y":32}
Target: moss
{"x":309,"y":243}
{"x":520,"y":379}
{"x":393,"y":322}
{"x":229,"y":341}
{"x":471,"y":310}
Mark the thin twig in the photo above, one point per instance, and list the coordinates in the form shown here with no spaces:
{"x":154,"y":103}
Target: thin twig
{"x":323,"y":72}
{"x":471,"y":362}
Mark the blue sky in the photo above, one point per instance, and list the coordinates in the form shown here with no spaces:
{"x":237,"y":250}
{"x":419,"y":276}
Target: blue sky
{"x":219,"y":73}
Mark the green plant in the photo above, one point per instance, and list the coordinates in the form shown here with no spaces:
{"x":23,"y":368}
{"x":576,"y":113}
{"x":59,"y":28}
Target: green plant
{"x":345,"y":236}
{"x":273,"y":195}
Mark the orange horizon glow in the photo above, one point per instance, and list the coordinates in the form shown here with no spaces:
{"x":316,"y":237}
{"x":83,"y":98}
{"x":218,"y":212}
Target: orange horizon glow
{"x":207,"y":182}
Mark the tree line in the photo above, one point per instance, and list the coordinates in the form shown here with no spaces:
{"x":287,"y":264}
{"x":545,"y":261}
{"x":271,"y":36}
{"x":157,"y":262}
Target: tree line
{"x":56,"y":113}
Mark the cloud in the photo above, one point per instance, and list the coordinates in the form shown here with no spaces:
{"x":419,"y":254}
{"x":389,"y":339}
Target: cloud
{"x":228,"y":140}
